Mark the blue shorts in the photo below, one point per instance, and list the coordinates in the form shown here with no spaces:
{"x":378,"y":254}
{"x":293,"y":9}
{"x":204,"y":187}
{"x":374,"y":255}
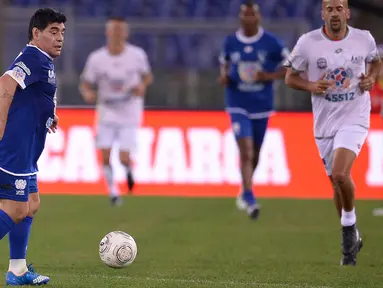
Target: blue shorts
{"x":244,"y":127}
{"x":33,"y":188}
{"x":17,"y":188}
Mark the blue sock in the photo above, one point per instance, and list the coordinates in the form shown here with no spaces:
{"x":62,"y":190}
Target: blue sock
{"x":6,"y":224}
{"x":248,"y":196}
{"x":19,"y":237}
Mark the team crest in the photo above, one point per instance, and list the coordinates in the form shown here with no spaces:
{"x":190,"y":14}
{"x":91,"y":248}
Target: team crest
{"x":24,"y":67}
{"x":20,"y":185}
{"x":340,"y":78}
{"x":18,"y":74}
{"x":248,"y":49}
{"x":248,"y":70}
{"x":322,"y":63}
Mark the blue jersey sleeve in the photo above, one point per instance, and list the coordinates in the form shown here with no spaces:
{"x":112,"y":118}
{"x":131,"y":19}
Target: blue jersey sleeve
{"x":25,"y":70}
{"x":281,"y":52}
{"x":224,"y":57}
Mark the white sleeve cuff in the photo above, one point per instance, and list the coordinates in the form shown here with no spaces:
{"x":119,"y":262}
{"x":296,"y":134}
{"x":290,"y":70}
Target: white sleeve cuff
{"x":15,"y":77}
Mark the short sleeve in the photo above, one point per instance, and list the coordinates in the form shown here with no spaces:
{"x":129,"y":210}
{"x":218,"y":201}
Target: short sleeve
{"x":145,"y":65}
{"x":224,"y":56}
{"x":89,"y":74}
{"x":373,"y":52}
{"x":298,"y":58}
{"x":282,"y":53}
{"x":25,"y":70}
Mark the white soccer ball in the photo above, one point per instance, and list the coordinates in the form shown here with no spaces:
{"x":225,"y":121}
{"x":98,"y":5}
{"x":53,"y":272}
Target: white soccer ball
{"x":118,"y":249}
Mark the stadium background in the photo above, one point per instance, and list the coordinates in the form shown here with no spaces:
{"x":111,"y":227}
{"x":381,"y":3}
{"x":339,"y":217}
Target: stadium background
{"x":183,"y":40}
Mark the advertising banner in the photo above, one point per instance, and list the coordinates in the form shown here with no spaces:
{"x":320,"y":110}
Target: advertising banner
{"x":183,"y":153}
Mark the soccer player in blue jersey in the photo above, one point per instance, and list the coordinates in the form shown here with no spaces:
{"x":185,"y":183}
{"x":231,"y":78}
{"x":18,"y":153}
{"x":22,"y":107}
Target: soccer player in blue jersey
{"x":27,"y":113}
{"x":251,"y":60}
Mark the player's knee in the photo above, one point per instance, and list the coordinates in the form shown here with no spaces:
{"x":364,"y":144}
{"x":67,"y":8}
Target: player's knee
{"x":105,"y":158}
{"x":340,"y":177}
{"x":105,"y":161}
{"x":125,"y":158}
{"x":34,"y":206}
{"x":16,"y":210}
{"x":247,"y":155}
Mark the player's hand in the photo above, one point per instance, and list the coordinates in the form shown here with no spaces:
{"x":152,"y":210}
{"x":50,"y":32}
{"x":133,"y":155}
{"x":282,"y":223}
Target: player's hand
{"x":263,"y":77}
{"x":90,"y":96}
{"x":223,"y":80}
{"x":319,"y":87}
{"x":367,"y":83}
{"x":139,"y":90}
{"x":54,"y":125}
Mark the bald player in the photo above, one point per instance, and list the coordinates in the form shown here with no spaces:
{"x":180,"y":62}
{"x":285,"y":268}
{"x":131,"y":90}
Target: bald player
{"x":121,"y":73}
{"x":338,"y":65}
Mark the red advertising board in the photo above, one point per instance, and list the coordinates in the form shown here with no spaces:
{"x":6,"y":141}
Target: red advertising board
{"x":194,"y":154}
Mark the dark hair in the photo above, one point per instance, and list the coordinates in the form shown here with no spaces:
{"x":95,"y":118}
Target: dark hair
{"x":43,"y":18}
{"x":249,"y":3}
{"x":116,"y":18}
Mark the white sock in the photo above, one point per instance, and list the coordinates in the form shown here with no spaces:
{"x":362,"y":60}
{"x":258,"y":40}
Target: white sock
{"x":18,"y":266}
{"x":108,"y":173}
{"x":348,"y":218}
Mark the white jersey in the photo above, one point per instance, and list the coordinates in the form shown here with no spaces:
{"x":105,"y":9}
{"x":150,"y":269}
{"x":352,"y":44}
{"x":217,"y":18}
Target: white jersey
{"x":342,"y":63}
{"x":115,"y":77}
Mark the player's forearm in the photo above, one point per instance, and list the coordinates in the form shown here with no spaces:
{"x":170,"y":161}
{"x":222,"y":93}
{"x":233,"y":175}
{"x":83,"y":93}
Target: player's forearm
{"x":279,"y":74}
{"x":224,"y":70}
{"x":88,"y":94}
{"x":295,"y":81}
{"x":374,"y":68}
{"x":147,"y":80}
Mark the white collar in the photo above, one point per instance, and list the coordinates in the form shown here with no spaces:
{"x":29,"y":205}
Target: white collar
{"x":248,"y":40}
{"x":45,"y":53}
{"x":349,"y":31}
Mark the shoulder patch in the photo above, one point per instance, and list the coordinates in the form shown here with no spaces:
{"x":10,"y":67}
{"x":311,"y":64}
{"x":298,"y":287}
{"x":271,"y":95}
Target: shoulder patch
{"x":18,"y":74}
{"x":24,"y":67}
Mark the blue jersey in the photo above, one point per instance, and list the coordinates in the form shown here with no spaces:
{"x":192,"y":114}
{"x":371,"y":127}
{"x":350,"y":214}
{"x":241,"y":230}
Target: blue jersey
{"x":245,"y":57}
{"x":31,"y":112}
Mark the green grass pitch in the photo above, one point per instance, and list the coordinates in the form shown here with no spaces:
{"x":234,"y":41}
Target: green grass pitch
{"x":204,"y":243}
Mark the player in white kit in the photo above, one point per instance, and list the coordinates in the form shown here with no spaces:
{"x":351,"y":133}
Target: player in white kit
{"x":122,"y":73}
{"x":338,"y":64}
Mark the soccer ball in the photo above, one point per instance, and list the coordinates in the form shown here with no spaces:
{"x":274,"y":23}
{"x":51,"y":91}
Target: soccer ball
{"x":118,"y":249}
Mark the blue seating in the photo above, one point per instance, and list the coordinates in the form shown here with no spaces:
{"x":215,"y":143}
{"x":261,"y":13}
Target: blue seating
{"x":179,"y":8}
{"x":172,"y":49}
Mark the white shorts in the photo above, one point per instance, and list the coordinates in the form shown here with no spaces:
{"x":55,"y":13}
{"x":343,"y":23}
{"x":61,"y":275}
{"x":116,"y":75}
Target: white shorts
{"x":108,"y":134}
{"x":351,"y":137}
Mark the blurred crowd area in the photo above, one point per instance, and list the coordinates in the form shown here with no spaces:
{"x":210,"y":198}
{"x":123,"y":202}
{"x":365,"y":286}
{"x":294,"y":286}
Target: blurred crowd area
{"x":182,"y":38}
